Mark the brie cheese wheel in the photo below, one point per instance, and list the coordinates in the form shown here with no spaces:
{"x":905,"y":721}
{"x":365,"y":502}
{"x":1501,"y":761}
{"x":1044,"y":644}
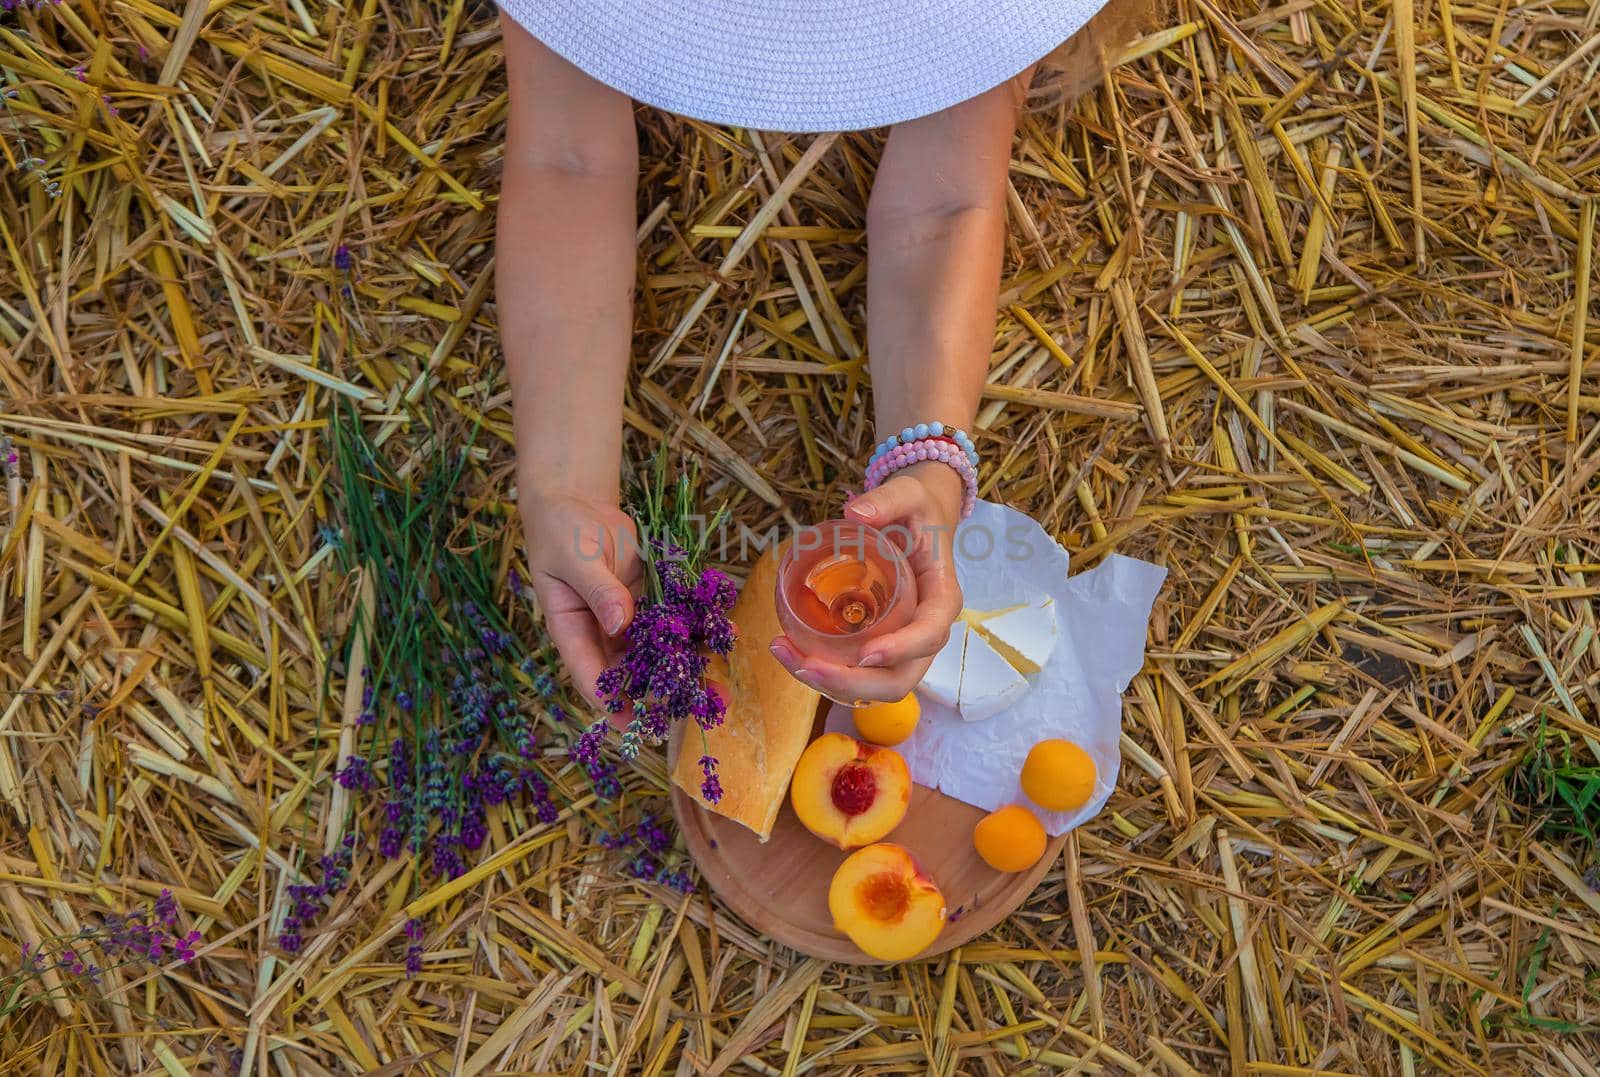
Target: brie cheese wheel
{"x":989,"y":684}
{"x":943,"y":679}
{"x":1024,"y":635}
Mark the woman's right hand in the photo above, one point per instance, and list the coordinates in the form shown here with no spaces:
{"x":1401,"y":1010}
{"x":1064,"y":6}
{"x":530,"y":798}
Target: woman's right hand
{"x":584,"y":557}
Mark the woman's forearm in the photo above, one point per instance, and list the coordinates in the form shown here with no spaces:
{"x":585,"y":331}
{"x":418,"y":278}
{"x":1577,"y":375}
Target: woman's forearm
{"x":931,"y":330}
{"x":565,"y":269}
{"x":565,"y":274}
{"x":936,"y":237}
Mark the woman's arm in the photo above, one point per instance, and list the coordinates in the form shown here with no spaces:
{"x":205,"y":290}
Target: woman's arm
{"x":936,"y":228}
{"x":565,"y":274}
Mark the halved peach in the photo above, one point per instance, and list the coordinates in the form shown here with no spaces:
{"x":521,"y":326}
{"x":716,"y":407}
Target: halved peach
{"x":883,"y":901}
{"x":849,"y":792}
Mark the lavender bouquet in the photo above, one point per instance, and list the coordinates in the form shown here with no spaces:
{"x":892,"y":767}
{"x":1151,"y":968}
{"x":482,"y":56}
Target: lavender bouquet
{"x":681,"y":620}
{"x":457,"y":715}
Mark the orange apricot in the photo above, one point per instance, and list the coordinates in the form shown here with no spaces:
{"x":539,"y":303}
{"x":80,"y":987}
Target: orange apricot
{"x":888,"y":723}
{"x":1010,"y":838}
{"x":1058,"y":775}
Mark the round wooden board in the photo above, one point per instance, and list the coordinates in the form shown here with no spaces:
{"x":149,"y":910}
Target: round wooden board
{"x":781,"y":888}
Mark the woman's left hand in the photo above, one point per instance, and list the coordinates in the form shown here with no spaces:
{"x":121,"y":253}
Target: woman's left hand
{"x":925,"y":501}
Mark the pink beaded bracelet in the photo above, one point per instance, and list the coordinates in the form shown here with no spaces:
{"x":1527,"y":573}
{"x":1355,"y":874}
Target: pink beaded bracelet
{"x":941,"y":449}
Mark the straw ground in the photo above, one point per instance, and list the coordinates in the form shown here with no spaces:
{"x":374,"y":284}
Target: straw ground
{"x":1297,"y":305}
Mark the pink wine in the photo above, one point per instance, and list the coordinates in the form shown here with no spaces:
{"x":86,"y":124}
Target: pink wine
{"x":840,"y":585}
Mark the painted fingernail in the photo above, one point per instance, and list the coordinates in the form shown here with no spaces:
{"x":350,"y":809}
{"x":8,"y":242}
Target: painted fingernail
{"x":806,"y":676}
{"x":873,"y":660}
{"x":781,"y":651}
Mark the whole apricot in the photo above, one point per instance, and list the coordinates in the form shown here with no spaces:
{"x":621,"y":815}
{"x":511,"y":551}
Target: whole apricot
{"x":888,"y":723}
{"x":1010,"y":838}
{"x":1058,"y":775}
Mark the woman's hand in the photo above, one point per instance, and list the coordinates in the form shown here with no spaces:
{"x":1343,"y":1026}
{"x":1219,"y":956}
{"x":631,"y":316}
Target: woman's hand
{"x":564,"y":278}
{"x":584,"y":557}
{"x":924,"y":500}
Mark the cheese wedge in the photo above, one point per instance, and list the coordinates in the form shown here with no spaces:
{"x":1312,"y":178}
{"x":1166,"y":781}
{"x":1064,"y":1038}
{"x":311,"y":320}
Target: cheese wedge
{"x":974,"y":618}
{"x":984,"y":667}
{"x":769,"y":719}
{"x":1024,"y":635}
{"x":989,"y":684}
{"x":943,"y":679}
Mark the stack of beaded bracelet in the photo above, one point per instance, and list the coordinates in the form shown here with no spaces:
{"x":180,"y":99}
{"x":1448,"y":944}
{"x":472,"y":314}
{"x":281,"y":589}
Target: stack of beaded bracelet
{"x":922,"y":431}
{"x":928,"y":441}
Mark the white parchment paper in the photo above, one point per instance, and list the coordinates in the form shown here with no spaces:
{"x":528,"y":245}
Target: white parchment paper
{"x":1003,"y":558}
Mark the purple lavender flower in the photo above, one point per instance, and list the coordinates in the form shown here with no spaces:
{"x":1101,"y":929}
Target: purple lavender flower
{"x":356,"y":774}
{"x":474,"y":830}
{"x":586,"y":749}
{"x":661,"y":676}
{"x":651,"y":844}
{"x":653,"y":836}
{"x":166,"y":909}
{"x":711,"y":789}
{"x":603,"y":777}
{"x":447,"y":863}
{"x":708,"y":709}
{"x":147,"y":937}
{"x":715,"y":591}
{"x":308,"y":900}
{"x":341,"y":258}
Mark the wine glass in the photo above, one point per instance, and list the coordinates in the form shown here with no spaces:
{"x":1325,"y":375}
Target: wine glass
{"x":840,"y":585}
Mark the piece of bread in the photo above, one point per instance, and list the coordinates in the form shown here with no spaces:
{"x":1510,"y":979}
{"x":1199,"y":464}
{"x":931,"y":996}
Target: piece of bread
{"x":769,"y":718}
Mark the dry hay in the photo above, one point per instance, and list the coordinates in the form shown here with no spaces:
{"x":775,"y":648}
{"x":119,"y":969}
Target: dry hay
{"x":1294,"y":307}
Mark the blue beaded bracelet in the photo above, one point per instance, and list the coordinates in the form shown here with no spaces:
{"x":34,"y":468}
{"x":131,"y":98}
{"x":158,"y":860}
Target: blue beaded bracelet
{"x":926,"y":430}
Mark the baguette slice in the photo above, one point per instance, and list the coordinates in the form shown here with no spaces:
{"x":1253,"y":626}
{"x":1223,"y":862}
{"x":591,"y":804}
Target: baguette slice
{"x":769,"y":718}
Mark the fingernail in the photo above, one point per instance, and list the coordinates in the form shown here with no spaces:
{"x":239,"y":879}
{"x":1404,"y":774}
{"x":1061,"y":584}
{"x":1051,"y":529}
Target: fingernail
{"x":781,"y":651}
{"x":873,"y":660}
{"x":806,"y":677}
{"x":864,"y":509}
{"x":611,"y":620}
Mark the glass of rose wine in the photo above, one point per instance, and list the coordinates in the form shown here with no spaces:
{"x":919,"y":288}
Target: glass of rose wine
{"x":840,"y":585}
